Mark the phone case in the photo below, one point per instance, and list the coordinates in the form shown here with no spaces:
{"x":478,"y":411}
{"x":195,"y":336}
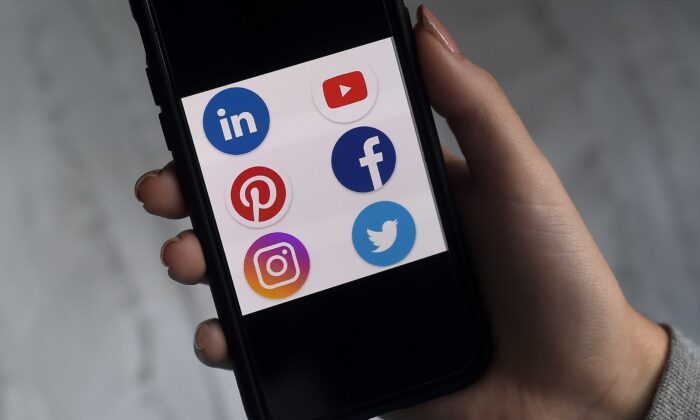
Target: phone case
{"x":172,"y":121}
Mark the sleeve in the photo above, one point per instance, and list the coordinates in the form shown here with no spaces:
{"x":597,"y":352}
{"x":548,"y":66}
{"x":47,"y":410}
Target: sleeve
{"x":678,"y":394}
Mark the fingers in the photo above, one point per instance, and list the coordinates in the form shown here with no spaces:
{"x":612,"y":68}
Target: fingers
{"x":210,"y":345}
{"x":491,"y":135}
{"x":184,"y":258}
{"x":457,"y":168}
{"x":160,"y":193}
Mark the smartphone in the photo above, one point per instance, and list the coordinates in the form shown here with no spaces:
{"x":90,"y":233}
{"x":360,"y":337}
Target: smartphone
{"x":309,"y":159}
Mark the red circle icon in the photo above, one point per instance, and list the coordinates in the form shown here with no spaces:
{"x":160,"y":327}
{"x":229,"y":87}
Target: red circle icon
{"x":259,"y":197}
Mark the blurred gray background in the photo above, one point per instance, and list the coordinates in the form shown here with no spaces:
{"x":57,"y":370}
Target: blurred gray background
{"x":90,"y":327}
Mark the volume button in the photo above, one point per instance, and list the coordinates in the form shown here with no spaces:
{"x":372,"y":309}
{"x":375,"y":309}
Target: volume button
{"x":407,"y":16}
{"x":167,"y":130}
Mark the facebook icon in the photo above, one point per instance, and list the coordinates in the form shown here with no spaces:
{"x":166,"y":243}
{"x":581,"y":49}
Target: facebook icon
{"x":236,"y":121}
{"x":363,"y":159}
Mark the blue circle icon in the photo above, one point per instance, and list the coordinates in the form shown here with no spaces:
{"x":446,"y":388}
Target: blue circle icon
{"x":363,"y":159}
{"x":236,"y":121}
{"x":384,"y":233}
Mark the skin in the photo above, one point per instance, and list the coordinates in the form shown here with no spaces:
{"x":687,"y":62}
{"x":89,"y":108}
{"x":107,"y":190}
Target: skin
{"x":566,"y":342}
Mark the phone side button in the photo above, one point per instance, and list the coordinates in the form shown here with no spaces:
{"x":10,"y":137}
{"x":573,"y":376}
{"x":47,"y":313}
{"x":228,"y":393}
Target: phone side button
{"x":167,"y":130}
{"x":407,"y":16}
{"x":155,"y":91}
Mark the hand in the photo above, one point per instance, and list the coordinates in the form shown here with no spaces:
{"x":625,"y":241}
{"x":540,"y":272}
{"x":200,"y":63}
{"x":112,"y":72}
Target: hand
{"x":566,"y":342}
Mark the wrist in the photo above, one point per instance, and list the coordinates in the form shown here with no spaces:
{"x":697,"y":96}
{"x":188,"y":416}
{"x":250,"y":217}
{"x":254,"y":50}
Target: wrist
{"x":636,"y":377}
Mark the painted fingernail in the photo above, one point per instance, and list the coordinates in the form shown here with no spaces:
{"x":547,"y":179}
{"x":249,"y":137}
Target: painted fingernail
{"x":165,"y":245}
{"x":139,"y":182}
{"x":433,"y":25}
{"x":199,"y":336}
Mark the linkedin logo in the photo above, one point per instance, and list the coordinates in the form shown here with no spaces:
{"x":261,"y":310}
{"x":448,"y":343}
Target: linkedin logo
{"x":363,"y":159}
{"x":236,"y":121}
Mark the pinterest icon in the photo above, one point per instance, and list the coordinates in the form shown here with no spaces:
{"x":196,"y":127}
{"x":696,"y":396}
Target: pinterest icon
{"x":259,"y":197}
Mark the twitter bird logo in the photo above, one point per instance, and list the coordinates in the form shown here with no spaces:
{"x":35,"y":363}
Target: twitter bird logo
{"x":384,"y":233}
{"x":385,"y":239}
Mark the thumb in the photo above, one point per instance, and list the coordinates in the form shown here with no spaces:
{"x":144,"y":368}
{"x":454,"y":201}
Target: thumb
{"x":498,"y":149}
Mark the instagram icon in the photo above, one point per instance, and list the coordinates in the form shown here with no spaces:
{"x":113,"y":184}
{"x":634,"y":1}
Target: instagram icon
{"x":276,"y":265}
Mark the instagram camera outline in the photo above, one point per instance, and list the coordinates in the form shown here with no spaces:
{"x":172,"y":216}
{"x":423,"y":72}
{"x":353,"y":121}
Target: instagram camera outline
{"x":292,"y":256}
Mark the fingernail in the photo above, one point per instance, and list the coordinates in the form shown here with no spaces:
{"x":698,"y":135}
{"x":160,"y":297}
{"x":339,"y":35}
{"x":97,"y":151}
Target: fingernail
{"x":198,"y":342}
{"x":140,"y":181}
{"x":433,"y":25}
{"x":165,"y":245}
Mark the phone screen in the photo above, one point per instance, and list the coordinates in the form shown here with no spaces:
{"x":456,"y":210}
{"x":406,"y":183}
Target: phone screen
{"x":301,"y":121}
{"x":315,"y":175}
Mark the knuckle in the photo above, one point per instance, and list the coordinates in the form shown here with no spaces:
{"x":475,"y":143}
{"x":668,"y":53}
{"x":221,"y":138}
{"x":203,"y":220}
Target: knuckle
{"x":488,"y":79}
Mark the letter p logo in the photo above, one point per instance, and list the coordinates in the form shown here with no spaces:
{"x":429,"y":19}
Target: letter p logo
{"x":259,"y":197}
{"x":236,"y":121}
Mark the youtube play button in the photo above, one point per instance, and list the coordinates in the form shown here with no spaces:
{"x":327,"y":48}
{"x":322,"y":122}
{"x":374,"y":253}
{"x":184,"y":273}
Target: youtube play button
{"x":345,"y":89}
{"x":345,"y":92}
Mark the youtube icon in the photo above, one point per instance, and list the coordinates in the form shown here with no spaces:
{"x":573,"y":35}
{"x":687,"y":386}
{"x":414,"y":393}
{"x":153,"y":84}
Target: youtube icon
{"x":346,"y":89}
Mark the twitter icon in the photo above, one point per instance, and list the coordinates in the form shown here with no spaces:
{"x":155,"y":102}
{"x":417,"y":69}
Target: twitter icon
{"x":385,"y":238}
{"x":384,"y":233}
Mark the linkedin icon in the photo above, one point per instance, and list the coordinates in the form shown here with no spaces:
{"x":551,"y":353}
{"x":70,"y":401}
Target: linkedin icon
{"x":236,"y":121}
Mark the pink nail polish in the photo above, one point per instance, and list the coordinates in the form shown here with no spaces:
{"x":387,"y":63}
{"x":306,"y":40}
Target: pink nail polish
{"x":433,"y":25}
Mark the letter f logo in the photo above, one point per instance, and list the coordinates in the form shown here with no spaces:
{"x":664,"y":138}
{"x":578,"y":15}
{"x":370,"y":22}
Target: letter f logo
{"x":364,"y":159}
{"x":371,"y":161}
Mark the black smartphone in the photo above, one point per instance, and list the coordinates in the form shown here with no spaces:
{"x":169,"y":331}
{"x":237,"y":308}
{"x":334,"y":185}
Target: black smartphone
{"x":310,"y":162}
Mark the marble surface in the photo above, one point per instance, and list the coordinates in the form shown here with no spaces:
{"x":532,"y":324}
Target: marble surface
{"x":90,"y":326}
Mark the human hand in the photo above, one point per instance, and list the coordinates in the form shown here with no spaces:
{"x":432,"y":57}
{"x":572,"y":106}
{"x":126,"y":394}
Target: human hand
{"x":566,"y":342}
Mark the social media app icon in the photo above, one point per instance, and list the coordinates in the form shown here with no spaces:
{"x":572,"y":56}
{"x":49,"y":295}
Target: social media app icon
{"x":259,"y":197}
{"x":344,"y":91}
{"x":276,"y":265}
{"x":384,"y":233}
{"x":363,"y":159}
{"x":236,"y":121}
